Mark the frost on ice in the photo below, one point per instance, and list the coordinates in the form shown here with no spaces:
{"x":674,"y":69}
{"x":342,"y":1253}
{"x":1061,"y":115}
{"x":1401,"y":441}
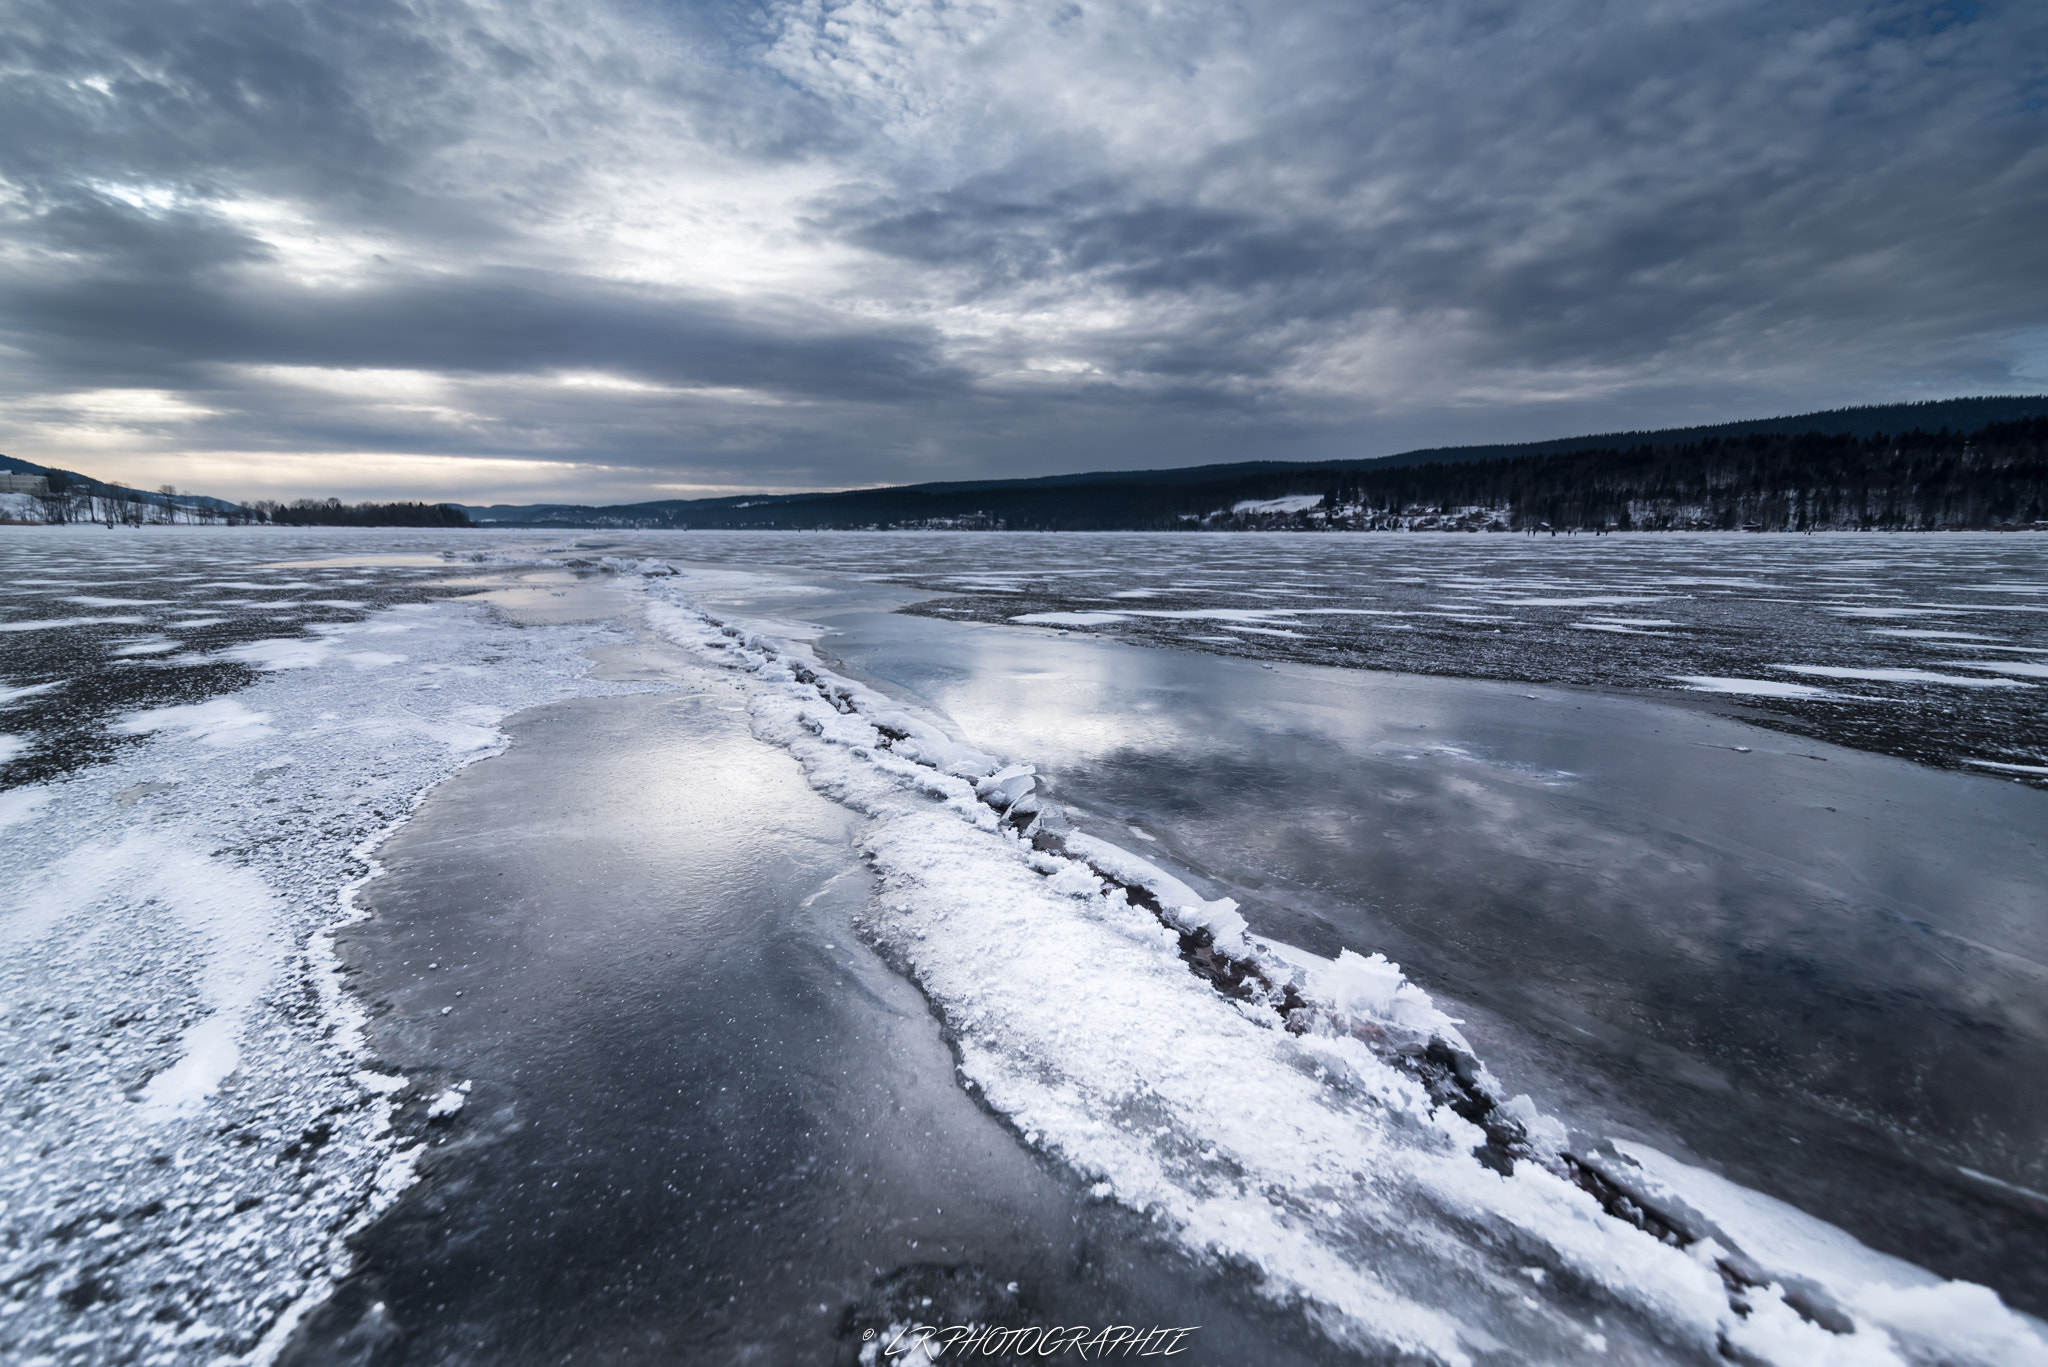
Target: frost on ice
{"x":191,"y":1133}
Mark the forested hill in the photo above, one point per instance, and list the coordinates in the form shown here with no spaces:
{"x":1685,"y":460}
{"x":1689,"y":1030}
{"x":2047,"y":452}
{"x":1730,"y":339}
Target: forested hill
{"x":1955,"y":415}
{"x":1995,"y":476}
{"x":45,"y":494}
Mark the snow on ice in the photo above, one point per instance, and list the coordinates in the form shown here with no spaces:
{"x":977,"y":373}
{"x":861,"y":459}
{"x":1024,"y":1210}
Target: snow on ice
{"x":190,"y":1130}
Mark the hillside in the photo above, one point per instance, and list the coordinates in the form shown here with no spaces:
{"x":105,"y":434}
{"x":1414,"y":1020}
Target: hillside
{"x":41,"y":494}
{"x":1951,"y":465}
{"x":1778,"y":474}
{"x":67,"y":496}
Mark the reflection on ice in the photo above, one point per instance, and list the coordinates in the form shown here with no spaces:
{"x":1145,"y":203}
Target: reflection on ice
{"x":1726,"y":606}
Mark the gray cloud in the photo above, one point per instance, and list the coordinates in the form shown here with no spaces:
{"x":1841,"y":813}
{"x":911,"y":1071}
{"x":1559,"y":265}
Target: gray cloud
{"x":803,"y":243}
{"x":166,"y":330}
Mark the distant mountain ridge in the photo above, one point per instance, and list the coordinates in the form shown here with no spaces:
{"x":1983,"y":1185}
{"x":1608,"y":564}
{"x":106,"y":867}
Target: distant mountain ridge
{"x":1192,"y":495}
{"x":1949,"y":463}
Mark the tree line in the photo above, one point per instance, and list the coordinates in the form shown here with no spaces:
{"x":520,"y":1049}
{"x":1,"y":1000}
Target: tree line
{"x":332,"y":512}
{"x":1994,"y":476}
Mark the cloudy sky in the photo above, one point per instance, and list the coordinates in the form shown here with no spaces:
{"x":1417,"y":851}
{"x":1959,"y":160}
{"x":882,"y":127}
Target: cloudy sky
{"x":600,"y":250}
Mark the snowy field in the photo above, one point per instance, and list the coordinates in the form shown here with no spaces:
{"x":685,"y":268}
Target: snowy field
{"x":210,"y":732}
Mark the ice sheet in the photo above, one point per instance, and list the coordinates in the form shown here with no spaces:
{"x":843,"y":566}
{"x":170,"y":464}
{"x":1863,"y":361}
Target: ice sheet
{"x":1304,"y":1156}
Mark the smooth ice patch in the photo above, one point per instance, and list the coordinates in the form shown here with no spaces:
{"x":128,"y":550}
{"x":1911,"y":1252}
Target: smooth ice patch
{"x":1305,"y":1157}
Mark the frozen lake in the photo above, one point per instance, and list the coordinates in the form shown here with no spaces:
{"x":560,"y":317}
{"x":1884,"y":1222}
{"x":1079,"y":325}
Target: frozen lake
{"x":724,"y":1020}
{"x":1913,"y":647}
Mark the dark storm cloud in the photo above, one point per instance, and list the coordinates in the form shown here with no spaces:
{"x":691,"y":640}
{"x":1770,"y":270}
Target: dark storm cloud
{"x":169,"y":332}
{"x":841,"y":243}
{"x":1636,"y":188}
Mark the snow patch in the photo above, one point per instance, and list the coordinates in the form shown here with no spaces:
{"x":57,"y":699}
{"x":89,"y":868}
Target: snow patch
{"x":218,"y":722}
{"x":1071,"y":619}
{"x":2030,"y":669}
{"x":284,"y":652}
{"x":19,"y":806}
{"x":1898,"y":676}
{"x":1289,"y":503}
{"x":177,"y":950}
{"x":58,"y":623}
{"x":1762,"y":688}
{"x":14,"y":695}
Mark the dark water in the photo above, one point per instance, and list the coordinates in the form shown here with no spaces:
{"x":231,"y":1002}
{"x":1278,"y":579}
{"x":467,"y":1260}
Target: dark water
{"x":706,"y":1124}
{"x":1818,"y":971}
